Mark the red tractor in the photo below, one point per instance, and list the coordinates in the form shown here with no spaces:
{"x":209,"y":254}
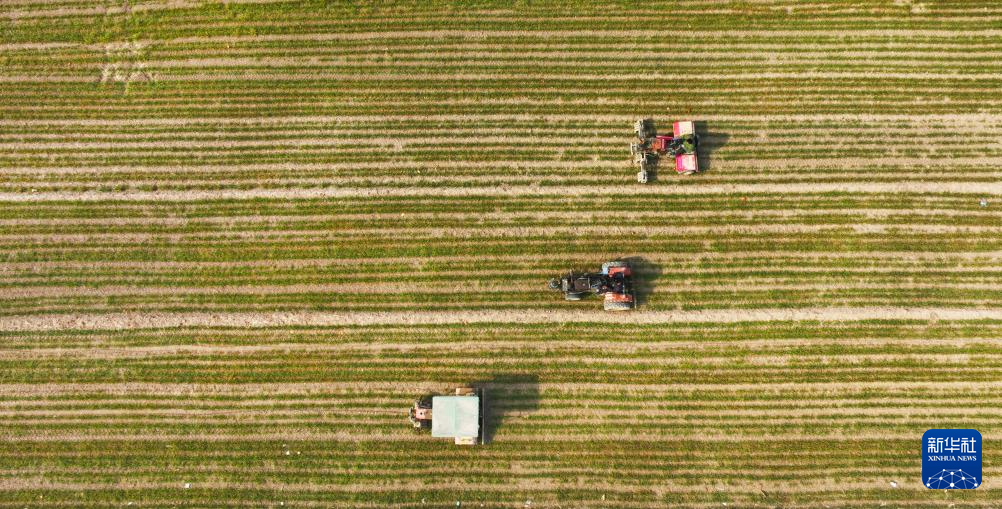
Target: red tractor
{"x":614,"y":283}
{"x":651,"y":147}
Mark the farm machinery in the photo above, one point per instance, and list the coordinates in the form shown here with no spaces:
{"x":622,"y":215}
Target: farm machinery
{"x":651,"y":147}
{"x":614,"y":283}
{"x":459,"y":416}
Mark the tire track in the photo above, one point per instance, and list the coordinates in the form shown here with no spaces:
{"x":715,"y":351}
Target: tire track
{"x":857,"y":187}
{"x":504,"y":232}
{"x":987,"y":257}
{"x":394,"y":389}
{"x":128,"y":218}
{"x":971,"y":120}
{"x":121,"y":321}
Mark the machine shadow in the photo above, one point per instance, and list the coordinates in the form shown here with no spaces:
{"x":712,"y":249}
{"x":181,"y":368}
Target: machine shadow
{"x":645,"y":276}
{"x":709,"y":142}
{"x":506,"y":396}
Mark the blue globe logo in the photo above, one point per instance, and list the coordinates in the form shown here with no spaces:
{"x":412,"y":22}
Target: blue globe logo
{"x":951,"y":480}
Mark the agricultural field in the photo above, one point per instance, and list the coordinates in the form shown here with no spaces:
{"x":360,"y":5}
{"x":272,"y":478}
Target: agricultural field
{"x":239,"y":238}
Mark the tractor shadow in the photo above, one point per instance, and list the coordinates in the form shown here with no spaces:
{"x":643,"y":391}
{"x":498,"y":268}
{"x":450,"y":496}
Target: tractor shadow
{"x":507,"y":397}
{"x":645,"y":276}
{"x":709,"y":142}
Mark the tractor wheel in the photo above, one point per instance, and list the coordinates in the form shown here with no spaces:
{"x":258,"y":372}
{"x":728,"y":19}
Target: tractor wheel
{"x":574,"y":295}
{"x":618,"y":306}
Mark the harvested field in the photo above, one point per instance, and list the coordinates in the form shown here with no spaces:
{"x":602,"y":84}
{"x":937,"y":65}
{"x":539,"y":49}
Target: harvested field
{"x":238,"y":239}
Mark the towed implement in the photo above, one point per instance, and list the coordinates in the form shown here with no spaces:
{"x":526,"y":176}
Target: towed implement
{"x":459,"y":416}
{"x":651,"y":147}
{"x":614,"y":284}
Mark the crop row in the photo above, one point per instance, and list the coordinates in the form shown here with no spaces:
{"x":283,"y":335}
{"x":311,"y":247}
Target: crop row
{"x":395,"y":337}
{"x":345,"y":299}
{"x":347,"y":126}
{"x":972,"y":62}
{"x":466,"y":225}
{"x":596,"y":68}
{"x":810,"y":353}
{"x":328,"y":96}
{"x":827,"y":267}
{"x":100,"y":25}
{"x":822,"y":240}
{"x":475,"y":178}
{"x":597,"y":203}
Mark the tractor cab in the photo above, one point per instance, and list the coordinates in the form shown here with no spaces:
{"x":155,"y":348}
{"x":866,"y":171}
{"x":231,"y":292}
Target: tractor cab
{"x":420,"y":413}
